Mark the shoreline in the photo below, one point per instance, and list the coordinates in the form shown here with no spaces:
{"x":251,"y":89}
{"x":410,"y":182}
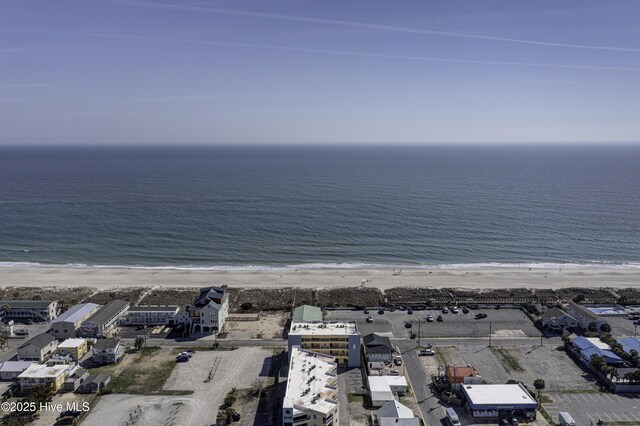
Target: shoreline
{"x":381,"y":278}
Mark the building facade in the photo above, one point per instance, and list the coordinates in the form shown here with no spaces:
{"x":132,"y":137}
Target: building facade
{"x":75,"y":348}
{"x":35,"y":310}
{"x":9,"y":370}
{"x":311,"y":398}
{"x":208,"y":312}
{"x":67,"y":324}
{"x":496,"y":401}
{"x":378,"y":350}
{"x":584,"y":316}
{"x":38,"y":374}
{"x":103,"y":322}
{"x":150,"y":315}
{"x":38,"y":348}
{"x":340,"y":340}
{"x":107,"y":351}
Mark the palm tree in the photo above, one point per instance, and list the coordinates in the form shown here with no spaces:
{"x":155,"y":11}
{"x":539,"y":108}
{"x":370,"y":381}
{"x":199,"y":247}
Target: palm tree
{"x":539,"y":385}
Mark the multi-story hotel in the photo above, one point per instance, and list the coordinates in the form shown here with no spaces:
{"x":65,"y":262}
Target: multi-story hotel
{"x":311,"y":398}
{"x":338,"y":339}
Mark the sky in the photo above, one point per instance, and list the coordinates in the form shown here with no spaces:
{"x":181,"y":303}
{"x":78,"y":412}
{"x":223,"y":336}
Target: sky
{"x":159,"y":72}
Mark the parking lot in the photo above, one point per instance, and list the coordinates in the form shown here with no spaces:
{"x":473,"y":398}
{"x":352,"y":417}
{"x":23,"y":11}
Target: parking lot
{"x":588,"y":408}
{"x":620,"y":326}
{"x":503,"y":322}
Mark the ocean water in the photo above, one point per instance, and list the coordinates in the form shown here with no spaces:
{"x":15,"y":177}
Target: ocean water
{"x":297,"y":207}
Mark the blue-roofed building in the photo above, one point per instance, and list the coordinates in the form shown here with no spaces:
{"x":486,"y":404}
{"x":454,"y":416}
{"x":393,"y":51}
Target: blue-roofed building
{"x":589,"y":346}
{"x":629,"y":344}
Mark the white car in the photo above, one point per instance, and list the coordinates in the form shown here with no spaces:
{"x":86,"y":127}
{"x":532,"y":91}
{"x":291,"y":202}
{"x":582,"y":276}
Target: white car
{"x":454,"y":310}
{"x":427,"y":352}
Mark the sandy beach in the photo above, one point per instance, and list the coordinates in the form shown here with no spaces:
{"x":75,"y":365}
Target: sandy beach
{"x":105,"y":278}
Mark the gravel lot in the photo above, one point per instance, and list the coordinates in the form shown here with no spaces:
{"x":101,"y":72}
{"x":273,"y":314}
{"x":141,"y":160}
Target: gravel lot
{"x":234,"y":369}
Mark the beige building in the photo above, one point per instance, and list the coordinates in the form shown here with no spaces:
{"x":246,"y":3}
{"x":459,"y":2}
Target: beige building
{"x":338,"y":339}
{"x":311,"y":398}
{"x":38,"y":374}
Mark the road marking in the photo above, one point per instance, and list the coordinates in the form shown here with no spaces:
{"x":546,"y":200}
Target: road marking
{"x":592,"y":419}
{"x":607,"y":416}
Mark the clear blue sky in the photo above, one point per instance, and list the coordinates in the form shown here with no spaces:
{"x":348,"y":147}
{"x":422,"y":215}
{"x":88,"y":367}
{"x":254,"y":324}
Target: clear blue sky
{"x":316,"y":71}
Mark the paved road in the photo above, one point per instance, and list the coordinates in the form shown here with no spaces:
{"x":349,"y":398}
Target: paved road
{"x":272,"y":343}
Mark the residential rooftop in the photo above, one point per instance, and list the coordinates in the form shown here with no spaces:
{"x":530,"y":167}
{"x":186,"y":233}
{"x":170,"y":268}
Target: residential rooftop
{"x":76,"y":313}
{"x":323,"y":328}
{"x":106,"y":344}
{"x":312,"y":381}
{"x":27,"y":303}
{"x":43,"y":371}
{"x":108,"y":312}
{"x":40,"y":341}
{"x":71,"y":343}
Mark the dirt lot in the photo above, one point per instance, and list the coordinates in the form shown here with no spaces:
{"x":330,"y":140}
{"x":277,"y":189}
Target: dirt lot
{"x":269,"y":299}
{"x":351,"y":296}
{"x":229,"y":369}
{"x":166,"y":296}
{"x":130,"y":295}
{"x":270,"y":325}
{"x":47,"y":418}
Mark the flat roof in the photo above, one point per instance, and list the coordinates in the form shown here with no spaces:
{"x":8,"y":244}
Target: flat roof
{"x":12,"y":366}
{"x":71,"y":343}
{"x":485,"y":396}
{"x":323,"y":328}
{"x":76,"y":312}
{"x":43,"y":371}
{"x":153,"y":308}
{"x":311,"y":381}
{"x":384,"y":383}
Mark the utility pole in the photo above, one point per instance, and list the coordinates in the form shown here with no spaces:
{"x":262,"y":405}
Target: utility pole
{"x":541,"y":336}
{"x":635,"y":331}
{"x":419,"y":331}
{"x":489,"y":333}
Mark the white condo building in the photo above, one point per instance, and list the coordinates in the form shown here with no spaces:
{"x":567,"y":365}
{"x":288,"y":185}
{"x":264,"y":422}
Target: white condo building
{"x":208,"y":312}
{"x":311,"y":398}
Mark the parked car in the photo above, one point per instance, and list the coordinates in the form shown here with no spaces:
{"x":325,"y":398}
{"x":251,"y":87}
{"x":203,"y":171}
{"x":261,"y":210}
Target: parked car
{"x":369,"y":318}
{"x":426,"y":352}
{"x":465,"y":310}
{"x":394,"y":372}
{"x":636,"y":322}
{"x":407,"y":324}
{"x":398,"y":360}
{"x":21,"y":332}
{"x":366,"y":312}
{"x":439,"y":319}
{"x":380,"y":311}
{"x":429,"y":318}
{"x":514,"y":421}
{"x":445,"y":310}
{"x":410,"y":311}
{"x":454,"y":310}
{"x":481,"y":315}
{"x":504,"y":422}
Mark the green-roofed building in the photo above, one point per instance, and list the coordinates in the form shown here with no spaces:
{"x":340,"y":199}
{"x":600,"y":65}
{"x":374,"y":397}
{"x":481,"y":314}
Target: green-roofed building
{"x":307,"y":313}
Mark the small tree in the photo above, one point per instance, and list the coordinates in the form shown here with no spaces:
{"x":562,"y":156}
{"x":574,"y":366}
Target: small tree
{"x":605,"y":328}
{"x":539,"y":385}
{"x":139,"y":343}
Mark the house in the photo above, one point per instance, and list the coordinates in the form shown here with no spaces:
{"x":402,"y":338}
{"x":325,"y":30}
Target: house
{"x":383,"y":389}
{"x":37,"y":348}
{"x":584,"y":316}
{"x":9,"y":370}
{"x":378,"y":350}
{"x":75,"y":348}
{"x":37,"y":375}
{"x":311,"y":396}
{"x":151,"y":315}
{"x":35,"y":310}
{"x":94,"y":383}
{"x":67,"y":324}
{"x":208,"y":312}
{"x":495,"y":401}
{"x":307,"y":313}
{"x":107,"y":351}
{"x":556,"y":319}
{"x":394,"y":413}
{"x":589,"y":346}
{"x":462,"y":375}
{"x":102,"y":323}
{"x":338,"y":339}
{"x":75,"y":378}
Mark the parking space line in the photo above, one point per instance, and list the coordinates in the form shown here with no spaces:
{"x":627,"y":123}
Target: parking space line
{"x":619,"y":418}
{"x":591,"y":418}
{"x":608,"y":397}
{"x":609,"y":417}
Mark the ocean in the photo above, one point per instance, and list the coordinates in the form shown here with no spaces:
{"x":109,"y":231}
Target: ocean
{"x":313,"y":207}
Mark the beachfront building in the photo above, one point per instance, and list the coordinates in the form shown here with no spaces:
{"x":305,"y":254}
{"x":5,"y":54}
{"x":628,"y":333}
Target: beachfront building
{"x":587,"y":347}
{"x":378,"y":350}
{"x":394,"y":413}
{"x":151,"y":315}
{"x":383,"y":389}
{"x":556,"y":319}
{"x":207,"y":313}
{"x":74,"y":348}
{"x":311,"y":398}
{"x":103,"y":322}
{"x":35,"y":310}
{"x":496,"y":401}
{"x":307,"y":313}
{"x":107,"y":351}
{"x":37,"y":348}
{"x":66,"y":325}
{"x":9,"y":370}
{"x":338,"y":339}
{"x":584,"y":316}
{"x":38,"y":374}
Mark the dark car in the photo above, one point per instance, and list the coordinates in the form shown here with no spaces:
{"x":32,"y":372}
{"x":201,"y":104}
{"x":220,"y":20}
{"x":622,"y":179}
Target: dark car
{"x":465,"y":310}
{"x":182,"y":358}
{"x":366,"y":311}
{"x":380,"y":311}
{"x":481,"y":315}
{"x":407,"y":324}
{"x":439,"y":319}
{"x":410,"y":311}
{"x":636,"y":322}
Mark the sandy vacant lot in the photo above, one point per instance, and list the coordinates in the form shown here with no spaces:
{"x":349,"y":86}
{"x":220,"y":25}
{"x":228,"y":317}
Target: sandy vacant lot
{"x":229,"y":369}
{"x":268,"y":326}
